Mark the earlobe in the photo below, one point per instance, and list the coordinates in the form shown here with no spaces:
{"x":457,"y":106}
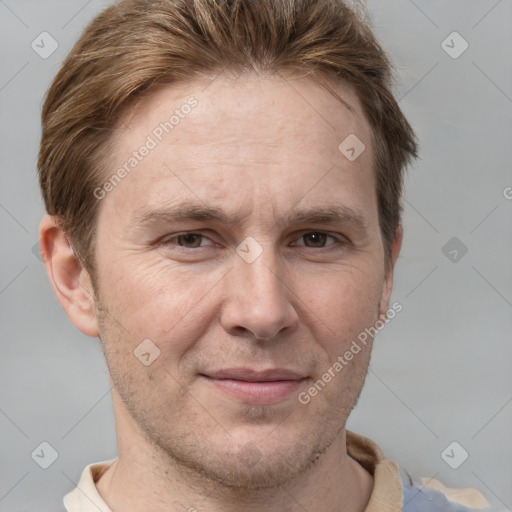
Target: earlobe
{"x":70,"y":280}
{"x":388,"y":284}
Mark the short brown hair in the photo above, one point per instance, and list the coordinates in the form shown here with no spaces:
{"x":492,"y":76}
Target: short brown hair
{"x":135,"y":44}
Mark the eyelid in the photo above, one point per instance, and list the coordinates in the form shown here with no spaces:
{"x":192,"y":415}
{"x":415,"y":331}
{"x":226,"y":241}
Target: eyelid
{"x":338,"y":239}
{"x":167,"y":238}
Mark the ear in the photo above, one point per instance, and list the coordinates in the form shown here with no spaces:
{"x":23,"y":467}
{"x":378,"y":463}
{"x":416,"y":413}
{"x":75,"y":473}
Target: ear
{"x":70,"y":280}
{"x":388,"y":283}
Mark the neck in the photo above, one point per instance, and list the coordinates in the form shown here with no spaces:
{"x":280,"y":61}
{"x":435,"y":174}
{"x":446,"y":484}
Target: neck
{"x":145,"y":478}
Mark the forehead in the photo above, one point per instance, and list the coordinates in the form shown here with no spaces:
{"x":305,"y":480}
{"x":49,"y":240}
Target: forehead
{"x":272,"y":102}
{"x":210,"y":138}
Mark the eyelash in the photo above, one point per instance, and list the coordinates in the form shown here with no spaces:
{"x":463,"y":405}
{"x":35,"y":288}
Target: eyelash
{"x":170,"y":240}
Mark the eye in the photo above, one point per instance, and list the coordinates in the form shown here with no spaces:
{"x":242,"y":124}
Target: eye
{"x":318,"y":239}
{"x":187,"y":240}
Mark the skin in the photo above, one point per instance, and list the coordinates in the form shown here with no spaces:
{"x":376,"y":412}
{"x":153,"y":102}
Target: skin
{"x":259,"y":147}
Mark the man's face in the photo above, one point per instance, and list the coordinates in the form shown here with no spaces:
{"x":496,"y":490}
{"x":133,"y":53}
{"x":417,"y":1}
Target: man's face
{"x":248,"y":311}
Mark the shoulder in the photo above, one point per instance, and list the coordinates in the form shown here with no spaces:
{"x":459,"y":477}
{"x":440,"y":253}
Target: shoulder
{"x":431,"y":495}
{"x":395,"y":489}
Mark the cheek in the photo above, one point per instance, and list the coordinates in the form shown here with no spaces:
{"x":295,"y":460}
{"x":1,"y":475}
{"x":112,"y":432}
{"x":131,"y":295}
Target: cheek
{"x":344,"y":304}
{"x":153,"y":299}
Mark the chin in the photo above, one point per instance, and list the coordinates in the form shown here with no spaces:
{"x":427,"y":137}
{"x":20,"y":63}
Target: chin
{"x":253,"y":459}
{"x":250,"y":469}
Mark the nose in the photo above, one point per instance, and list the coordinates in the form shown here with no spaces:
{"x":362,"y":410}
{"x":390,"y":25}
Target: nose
{"x":257,"y":299}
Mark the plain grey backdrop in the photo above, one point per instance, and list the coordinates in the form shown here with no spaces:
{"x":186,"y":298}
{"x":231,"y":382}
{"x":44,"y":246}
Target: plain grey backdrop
{"x":441,"y":370}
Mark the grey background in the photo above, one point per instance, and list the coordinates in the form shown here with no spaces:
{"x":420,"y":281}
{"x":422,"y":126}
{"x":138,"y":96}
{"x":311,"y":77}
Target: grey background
{"x":441,"y":370}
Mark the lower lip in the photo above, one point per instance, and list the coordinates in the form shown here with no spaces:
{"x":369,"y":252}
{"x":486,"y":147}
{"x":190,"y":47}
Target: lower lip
{"x":269,"y":392}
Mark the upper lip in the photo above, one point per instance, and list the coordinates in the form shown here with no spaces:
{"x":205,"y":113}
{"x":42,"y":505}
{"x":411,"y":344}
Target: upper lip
{"x":249,"y":375}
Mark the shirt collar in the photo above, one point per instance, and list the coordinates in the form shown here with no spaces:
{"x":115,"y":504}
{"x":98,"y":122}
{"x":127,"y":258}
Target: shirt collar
{"x":387,"y":493}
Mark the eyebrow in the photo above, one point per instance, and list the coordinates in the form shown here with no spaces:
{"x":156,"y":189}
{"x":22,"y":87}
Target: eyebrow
{"x":332,"y":214}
